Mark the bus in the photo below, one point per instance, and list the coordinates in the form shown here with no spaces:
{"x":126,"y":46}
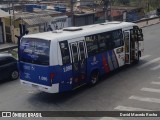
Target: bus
{"x":66,"y":59}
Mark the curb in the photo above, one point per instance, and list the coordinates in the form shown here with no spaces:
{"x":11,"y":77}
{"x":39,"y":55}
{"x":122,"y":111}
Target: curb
{"x":150,"y":25}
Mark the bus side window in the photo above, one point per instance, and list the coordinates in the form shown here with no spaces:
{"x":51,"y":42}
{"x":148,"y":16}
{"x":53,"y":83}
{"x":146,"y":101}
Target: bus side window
{"x":75,"y":53}
{"x":101,"y":42}
{"x":92,"y":46}
{"x":65,"y":52}
{"x":117,"y":38}
{"x":108,"y":41}
{"x":133,"y":35}
{"x":82,"y":52}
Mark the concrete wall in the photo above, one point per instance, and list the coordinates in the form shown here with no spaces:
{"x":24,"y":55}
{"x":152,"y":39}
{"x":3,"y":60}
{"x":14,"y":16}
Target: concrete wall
{"x":84,"y":19}
{"x":60,"y":22}
{"x":148,"y":22}
{"x":31,"y":30}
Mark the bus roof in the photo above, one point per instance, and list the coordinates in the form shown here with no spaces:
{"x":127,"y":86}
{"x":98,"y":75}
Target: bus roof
{"x":80,"y":31}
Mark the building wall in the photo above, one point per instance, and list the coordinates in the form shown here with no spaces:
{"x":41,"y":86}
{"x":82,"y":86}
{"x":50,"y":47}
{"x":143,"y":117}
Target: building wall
{"x":100,"y":17}
{"x":31,"y":30}
{"x":86,"y":19}
{"x":86,"y":2}
{"x":8,"y":30}
{"x":16,"y":30}
{"x":59,"y":22}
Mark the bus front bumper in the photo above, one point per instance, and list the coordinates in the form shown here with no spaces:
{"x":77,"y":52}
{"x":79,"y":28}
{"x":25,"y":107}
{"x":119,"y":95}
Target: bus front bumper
{"x":49,"y":89}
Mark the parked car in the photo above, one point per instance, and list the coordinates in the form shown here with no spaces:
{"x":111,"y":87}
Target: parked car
{"x":8,"y":67}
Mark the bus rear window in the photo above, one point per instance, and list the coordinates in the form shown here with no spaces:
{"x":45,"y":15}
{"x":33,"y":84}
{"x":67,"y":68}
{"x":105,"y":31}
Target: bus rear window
{"x":35,"y":51}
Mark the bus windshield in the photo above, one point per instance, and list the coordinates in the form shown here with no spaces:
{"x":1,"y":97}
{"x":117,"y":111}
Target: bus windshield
{"x":35,"y":51}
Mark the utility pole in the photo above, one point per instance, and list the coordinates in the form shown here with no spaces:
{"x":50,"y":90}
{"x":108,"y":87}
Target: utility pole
{"x":106,"y":4}
{"x":72,"y":11}
{"x":12,"y":27}
{"x":110,"y":2}
{"x":10,"y":22}
{"x":148,"y":6}
{"x":147,"y":10}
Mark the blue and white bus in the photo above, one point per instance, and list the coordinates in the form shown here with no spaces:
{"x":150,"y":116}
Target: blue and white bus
{"x":64,"y":60}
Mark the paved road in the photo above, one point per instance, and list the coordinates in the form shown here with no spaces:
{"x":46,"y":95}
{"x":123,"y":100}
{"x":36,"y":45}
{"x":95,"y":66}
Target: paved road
{"x":130,"y":88}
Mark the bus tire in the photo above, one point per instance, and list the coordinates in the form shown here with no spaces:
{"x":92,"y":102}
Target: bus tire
{"x":94,"y":77}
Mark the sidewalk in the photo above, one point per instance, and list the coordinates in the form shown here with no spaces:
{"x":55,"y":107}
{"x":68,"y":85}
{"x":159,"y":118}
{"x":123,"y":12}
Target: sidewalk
{"x":7,"y":47}
{"x":149,"y":22}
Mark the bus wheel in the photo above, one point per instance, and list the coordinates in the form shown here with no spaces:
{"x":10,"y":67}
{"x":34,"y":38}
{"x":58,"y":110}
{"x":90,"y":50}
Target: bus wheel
{"x":94,"y":78}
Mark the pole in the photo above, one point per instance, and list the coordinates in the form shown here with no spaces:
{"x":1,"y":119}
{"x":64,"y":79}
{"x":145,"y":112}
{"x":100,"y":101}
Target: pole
{"x":10,"y":20}
{"x":13,"y":38}
{"x":111,"y":10}
{"x":148,"y":6}
{"x":105,"y":13}
{"x":72,"y":3}
{"x":147,"y":11}
{"x":106,"y":3}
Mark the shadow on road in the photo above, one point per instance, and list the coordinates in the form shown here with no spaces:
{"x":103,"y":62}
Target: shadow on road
{"x":57,"y":97}
{"x":6,"y":81}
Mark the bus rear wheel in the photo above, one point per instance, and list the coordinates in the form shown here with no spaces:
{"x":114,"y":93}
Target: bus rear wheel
{"x":94,"y":78}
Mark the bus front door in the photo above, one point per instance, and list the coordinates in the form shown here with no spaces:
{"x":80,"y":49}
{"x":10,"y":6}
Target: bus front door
{"x":78,"y":63}
{"x":127,"y":47}
{"x":82,"y":62}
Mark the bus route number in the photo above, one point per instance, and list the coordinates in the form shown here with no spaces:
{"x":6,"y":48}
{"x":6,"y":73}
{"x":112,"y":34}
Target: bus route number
{"x":67,"y":68}
{"x":43,"y":78}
